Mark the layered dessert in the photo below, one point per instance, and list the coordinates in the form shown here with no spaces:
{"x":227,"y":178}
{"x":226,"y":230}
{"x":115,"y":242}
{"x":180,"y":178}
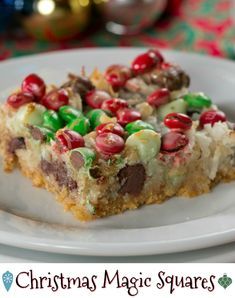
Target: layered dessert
{"x":117,"y":140}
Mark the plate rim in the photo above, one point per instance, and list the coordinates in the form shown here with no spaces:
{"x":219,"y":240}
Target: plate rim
{"x":118,"y":249}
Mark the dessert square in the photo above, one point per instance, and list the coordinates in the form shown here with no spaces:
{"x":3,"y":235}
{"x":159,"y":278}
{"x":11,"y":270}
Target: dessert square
{"x":114,"y":141}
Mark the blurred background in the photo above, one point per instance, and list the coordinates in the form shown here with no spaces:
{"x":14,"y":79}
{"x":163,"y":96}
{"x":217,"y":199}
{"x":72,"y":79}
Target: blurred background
{"x":34,"y":26}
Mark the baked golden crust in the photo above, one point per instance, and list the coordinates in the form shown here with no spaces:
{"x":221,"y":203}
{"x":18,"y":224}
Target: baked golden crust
{"x":195,"y":184}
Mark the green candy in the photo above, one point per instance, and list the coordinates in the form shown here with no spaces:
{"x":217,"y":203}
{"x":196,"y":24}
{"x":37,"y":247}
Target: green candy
{"x":69,"y":113}
{"x":82,"y":157}
{"x":80,"y":125}
{"x":52,"y":120}
{"x":137,"y":126}
{"x":43,"y":133}
{"x":176,"y":106}
{"x":95,"y":116}
{"x":197,"y":100}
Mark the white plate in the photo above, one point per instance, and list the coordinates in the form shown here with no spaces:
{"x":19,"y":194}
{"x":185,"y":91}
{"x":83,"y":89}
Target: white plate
{"x":218,"y":254}
{"x":30,"y":217}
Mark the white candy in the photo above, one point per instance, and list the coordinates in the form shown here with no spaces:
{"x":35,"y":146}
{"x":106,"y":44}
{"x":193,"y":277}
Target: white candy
{"x":176,"y":106}
{"x":106,"y":119}
{"x":146,"y":142}
{"x":30,"y":114}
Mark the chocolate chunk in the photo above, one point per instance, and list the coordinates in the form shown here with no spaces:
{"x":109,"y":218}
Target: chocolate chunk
{"x":72,"y":185}
{"x":95,"y":173}
{"x":76,"y":160}
{"x":173,"y":78}
{"x":47,"y":167}
{"x":85,"y":82}
{"x":60,"y":173}
{"x":193,"y":113}
{"x":79,"y":84}
{"x":15,"y":144}
{"x":37,"y":134}
{"x":131,"y":179}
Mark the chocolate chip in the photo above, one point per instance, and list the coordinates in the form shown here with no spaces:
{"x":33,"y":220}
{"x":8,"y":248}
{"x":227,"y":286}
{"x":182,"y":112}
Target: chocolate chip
{"x":15,"y":144}
{"x":76,"y":160}
{"x":131,"y":179}
{"x":47,"y":167}
{"x":60,"y":173}
{"x":37,"y":134}
{"x":173,"y":78}
{"x":193,"y":113}
{"x":72,"y":185}
{"x":79,"y":84}
{"x":95,"y":173}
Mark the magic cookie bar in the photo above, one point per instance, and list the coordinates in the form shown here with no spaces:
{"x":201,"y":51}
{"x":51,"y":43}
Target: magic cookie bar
{"x":117,"y":140}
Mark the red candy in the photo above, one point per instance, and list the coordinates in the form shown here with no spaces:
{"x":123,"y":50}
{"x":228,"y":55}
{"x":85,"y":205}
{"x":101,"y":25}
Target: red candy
{"x":173,"y":141}
{"x":34,"y":85}
{"x":68,"y":140}
{"x":108,"y":143}
{"x":117,"y":75}
{"x":125,"y":116}
{"x":146,"y":62}
{"x":166,"y":65}
{"x":211,"y":117}
{"x":158,"y":56}
{"x":110,"y":127}
{"x":95,"y":98}
{"x":55,"y":99}
{"x":16,"y":100}
{"x":178,"y":121}
{"x":142,"y":63}
{"x":114,"y":104}
{"x":159,"y":97}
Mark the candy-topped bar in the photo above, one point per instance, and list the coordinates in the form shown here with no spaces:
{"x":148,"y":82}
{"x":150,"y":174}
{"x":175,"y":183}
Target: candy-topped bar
{"x":150,"y":78}
{"x":117,"y":140}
